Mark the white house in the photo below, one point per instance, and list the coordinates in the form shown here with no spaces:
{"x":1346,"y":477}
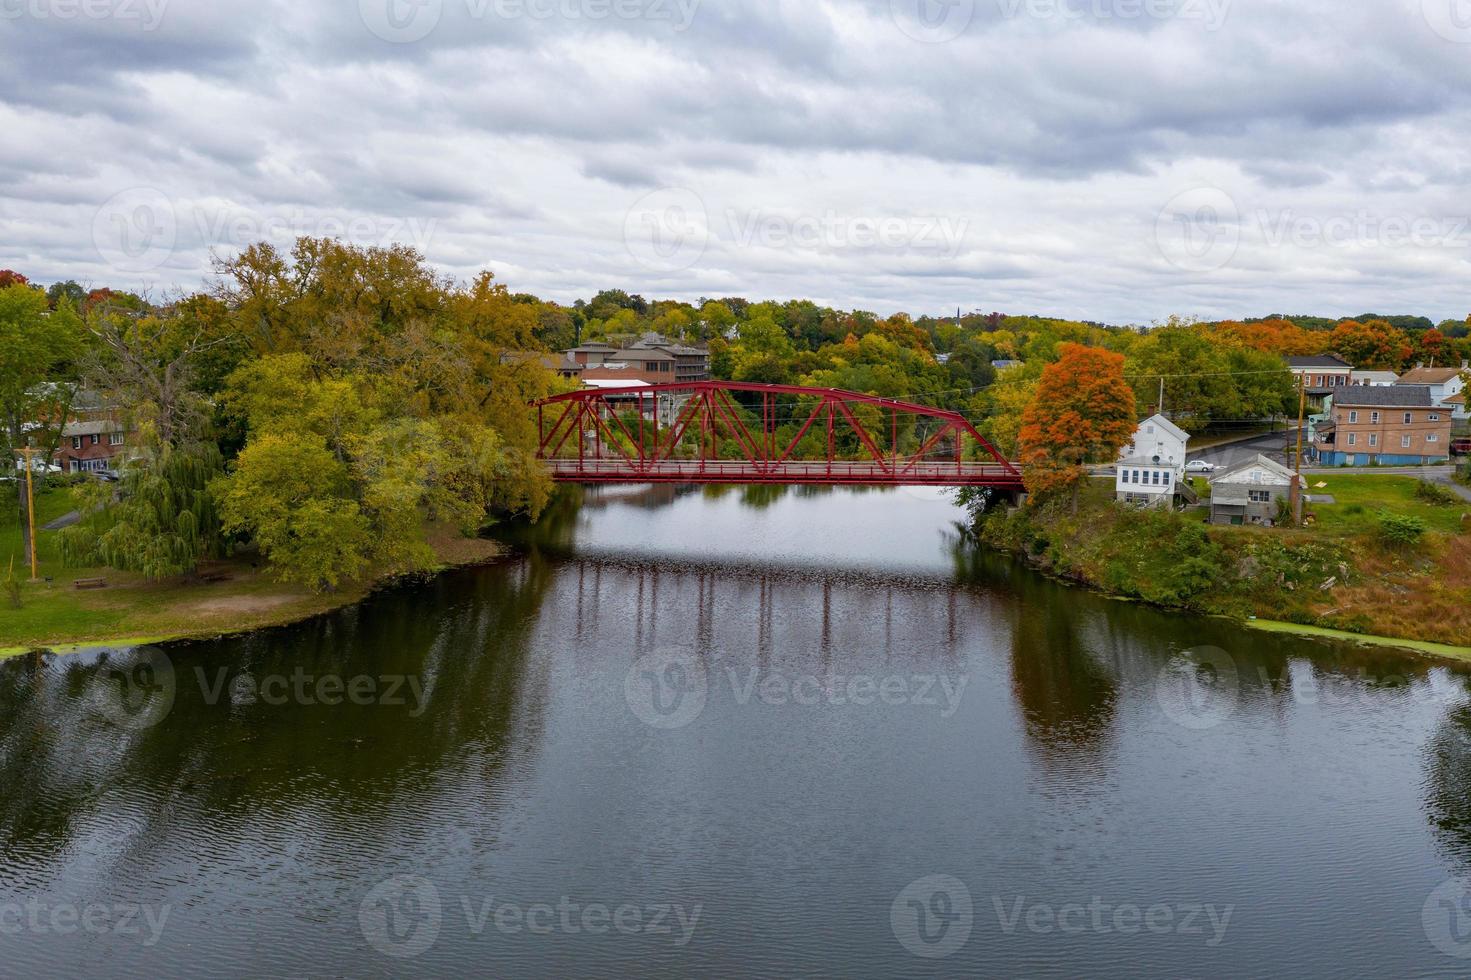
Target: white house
{"x":1444,"y":383}
{"x":1374,"y":379}
{"x":1153,"y":464}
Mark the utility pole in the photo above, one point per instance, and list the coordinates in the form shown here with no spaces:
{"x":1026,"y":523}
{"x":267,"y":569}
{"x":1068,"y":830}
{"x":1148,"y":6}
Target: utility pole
{"x":1161,"y":394}
{"x":28,"y":452}
{"x":1302,"y":408}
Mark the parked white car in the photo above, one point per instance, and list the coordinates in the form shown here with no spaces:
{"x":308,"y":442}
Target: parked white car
{"x":1200,"y":466}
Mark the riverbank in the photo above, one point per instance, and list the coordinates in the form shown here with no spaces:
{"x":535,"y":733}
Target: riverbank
{"x":1339,"y":577}
{"x":240,"y":598}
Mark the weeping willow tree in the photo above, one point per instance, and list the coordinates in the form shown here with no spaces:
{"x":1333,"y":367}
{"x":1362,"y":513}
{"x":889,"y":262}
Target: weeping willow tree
{"x":162,"y":522}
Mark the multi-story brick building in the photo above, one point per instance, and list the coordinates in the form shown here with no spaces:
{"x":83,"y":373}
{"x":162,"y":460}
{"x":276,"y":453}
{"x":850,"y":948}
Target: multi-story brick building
{"x":1395,"y":426}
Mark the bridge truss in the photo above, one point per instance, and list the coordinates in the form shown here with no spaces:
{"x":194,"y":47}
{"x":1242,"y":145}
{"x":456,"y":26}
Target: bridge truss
{"x":735,"y":432}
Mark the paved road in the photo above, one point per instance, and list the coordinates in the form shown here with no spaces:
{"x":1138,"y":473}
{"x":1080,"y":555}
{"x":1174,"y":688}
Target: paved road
{"x":1273,"y":445}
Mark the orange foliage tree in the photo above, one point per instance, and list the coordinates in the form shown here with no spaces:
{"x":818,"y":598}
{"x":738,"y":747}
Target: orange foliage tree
{"x":1274,"y":337}
{"x":1372,"y":346}
{"x":1083,"y":413}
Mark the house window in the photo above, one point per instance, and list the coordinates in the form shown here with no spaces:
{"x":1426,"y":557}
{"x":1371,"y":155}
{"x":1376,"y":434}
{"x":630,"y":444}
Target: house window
{"x":1404,"y":442}
{"x":96,"y":440}
{"x":1373,"y":439}
{"x":1259,"y":496}
{"x":1435,"y":416}
{"x":1353,"y":417}
{"x":1374,"y":417}
{"x":1353,"y":438}
{"x":115,"y":439}
{"x":1433,"y":437}
{"x":76,"y":442}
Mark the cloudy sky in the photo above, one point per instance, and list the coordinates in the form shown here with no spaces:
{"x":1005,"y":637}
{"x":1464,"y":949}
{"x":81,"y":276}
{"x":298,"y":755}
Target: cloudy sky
{"x":1120,"y":160}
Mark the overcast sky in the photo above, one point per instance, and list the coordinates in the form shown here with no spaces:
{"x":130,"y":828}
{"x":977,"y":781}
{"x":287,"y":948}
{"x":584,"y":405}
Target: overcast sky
{"x":1119,"y":160}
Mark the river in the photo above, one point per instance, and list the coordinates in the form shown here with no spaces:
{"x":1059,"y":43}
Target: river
{"x":737,"y":733}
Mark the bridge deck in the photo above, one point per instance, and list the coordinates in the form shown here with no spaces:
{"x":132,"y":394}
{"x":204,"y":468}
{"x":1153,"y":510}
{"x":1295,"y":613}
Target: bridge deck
{"x":932,"y":474}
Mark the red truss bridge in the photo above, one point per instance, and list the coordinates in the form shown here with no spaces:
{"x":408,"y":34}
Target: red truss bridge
{"x":733,"y":432}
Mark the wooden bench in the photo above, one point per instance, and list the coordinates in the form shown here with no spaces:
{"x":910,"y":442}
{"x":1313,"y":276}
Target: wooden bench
{"x":90,"y":583}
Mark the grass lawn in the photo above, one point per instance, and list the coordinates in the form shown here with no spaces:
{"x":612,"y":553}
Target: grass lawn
{"x":1360,"y":497}
{"x":131,"y":608}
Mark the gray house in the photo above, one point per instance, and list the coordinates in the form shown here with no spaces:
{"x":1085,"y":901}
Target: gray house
{"x":1248,"y":493}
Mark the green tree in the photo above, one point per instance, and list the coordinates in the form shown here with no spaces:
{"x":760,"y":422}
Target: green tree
{"x":163,"y":522}
{"x":293,"y":497}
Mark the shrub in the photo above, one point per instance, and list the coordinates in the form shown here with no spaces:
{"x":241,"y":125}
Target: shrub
{"x":1401,"y":529}
{"x":1434,"y":493}
{"x":1464,"y":473}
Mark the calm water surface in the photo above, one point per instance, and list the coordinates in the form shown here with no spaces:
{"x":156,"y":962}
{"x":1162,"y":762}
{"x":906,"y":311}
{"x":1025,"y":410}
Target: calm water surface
{"x":757,"y":733}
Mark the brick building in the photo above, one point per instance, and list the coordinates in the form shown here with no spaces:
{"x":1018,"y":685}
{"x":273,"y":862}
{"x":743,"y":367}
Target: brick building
{"x":93,"y":445}
{"x":1398,"y":425}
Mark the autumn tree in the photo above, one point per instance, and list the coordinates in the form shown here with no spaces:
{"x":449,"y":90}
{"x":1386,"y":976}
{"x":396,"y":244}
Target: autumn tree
{"x":1374,"y":345}
{"x":1083,"y":412}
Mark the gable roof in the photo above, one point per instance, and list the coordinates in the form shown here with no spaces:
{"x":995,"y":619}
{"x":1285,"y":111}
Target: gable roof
{"x":1318,"y":361}
{"x":1168,"y":426}
{"x":1429,"y":376}
{"x":1394,"y":396}
{"x":1270,"y":465}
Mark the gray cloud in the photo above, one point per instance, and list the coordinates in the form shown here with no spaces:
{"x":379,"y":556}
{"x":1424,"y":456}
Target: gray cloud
{"x":497,"y":138}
